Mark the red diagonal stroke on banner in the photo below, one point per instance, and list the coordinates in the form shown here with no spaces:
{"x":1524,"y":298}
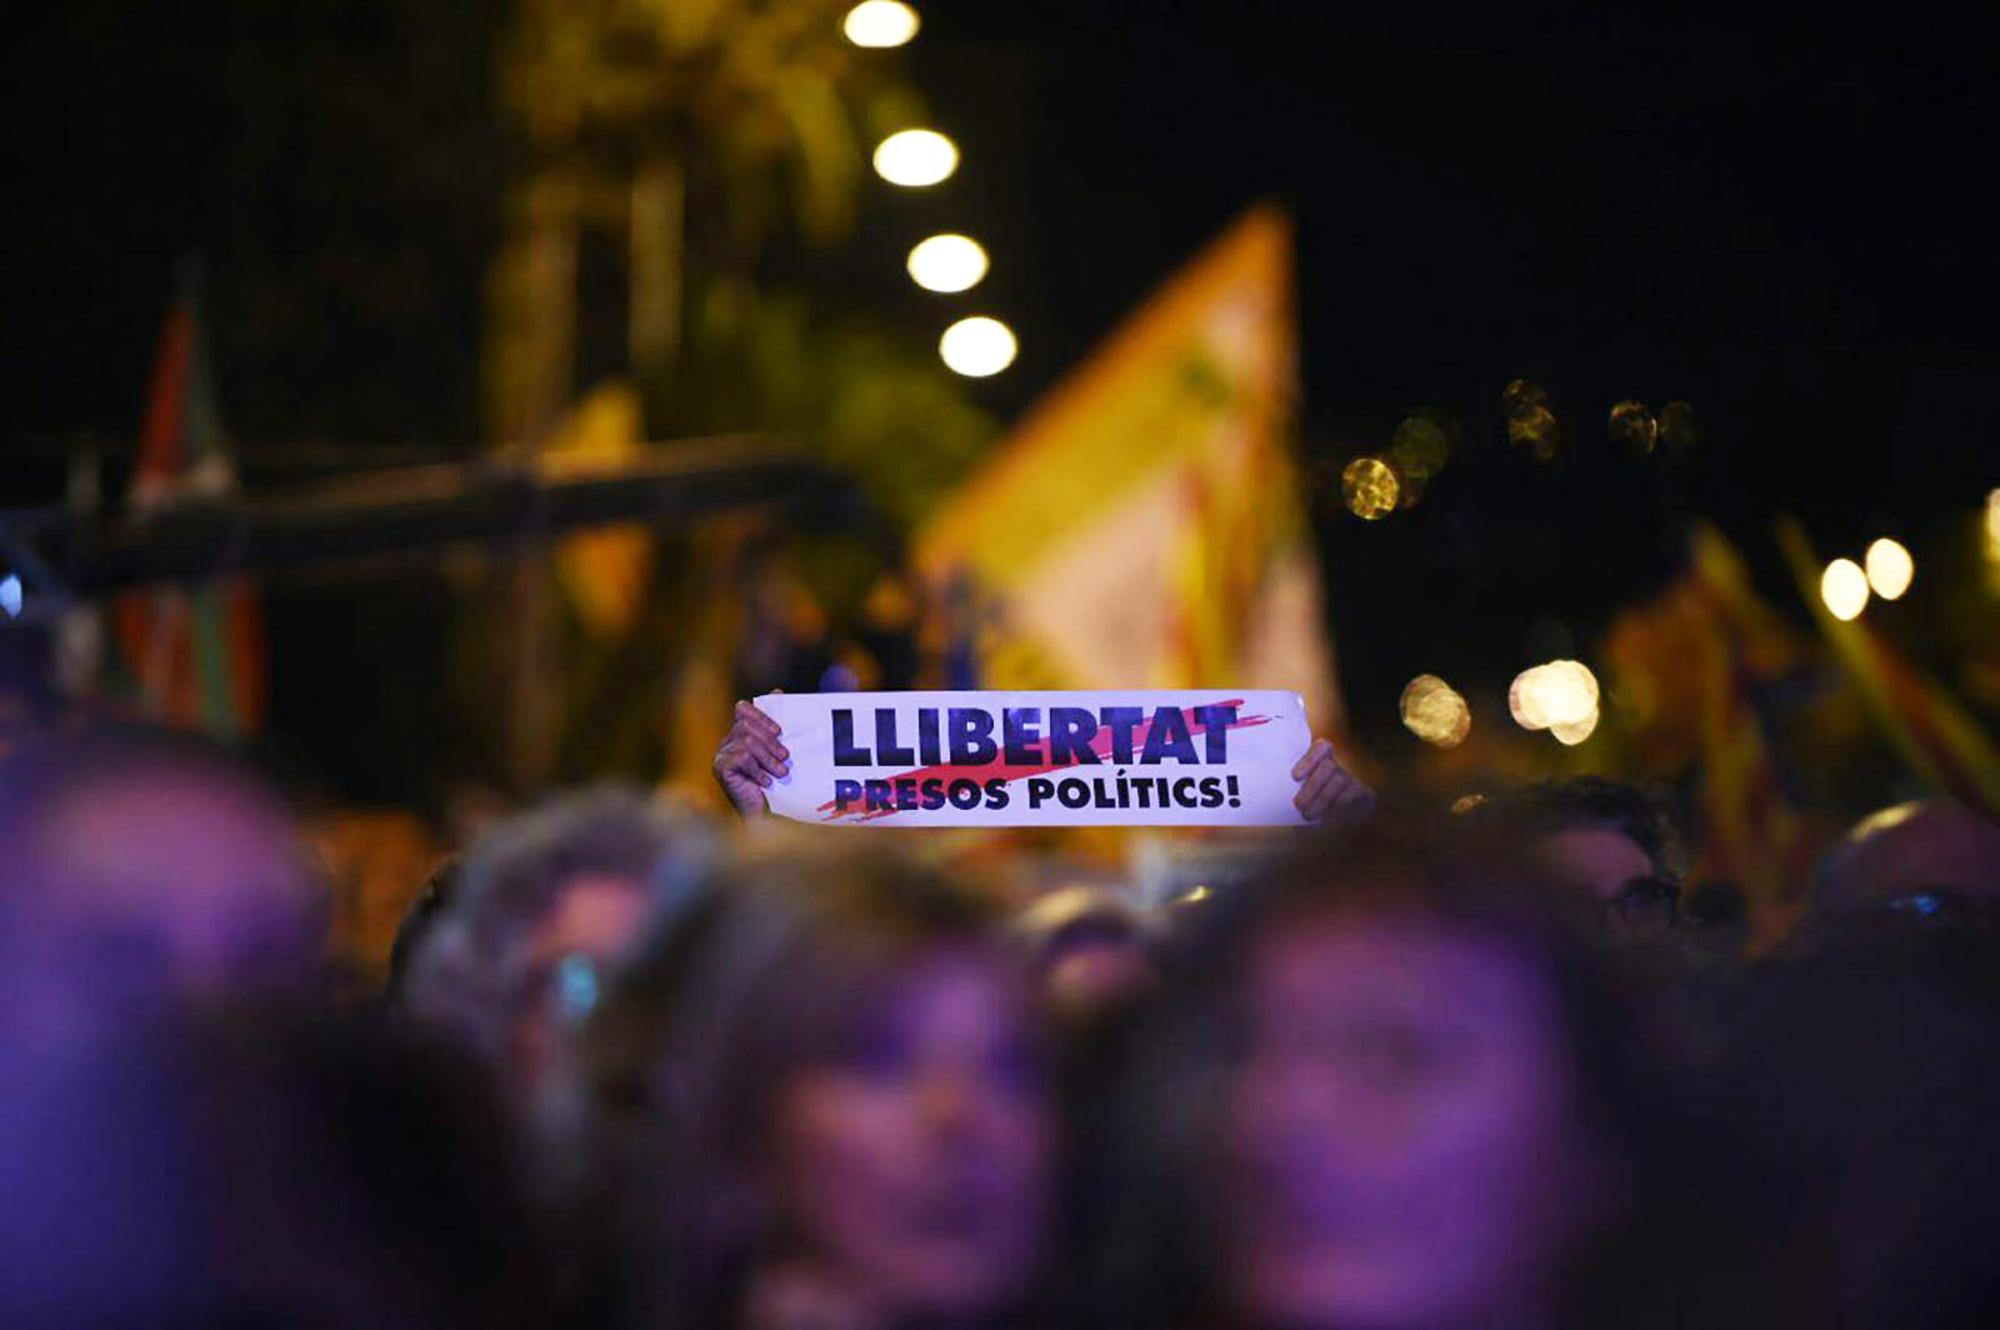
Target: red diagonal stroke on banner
{"x":1100,"y":744}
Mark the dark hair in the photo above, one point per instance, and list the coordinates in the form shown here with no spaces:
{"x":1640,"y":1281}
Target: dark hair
{"x":516,"y":872}
{"x":432,"y":900}
{"x":1156,"y":1266}
{"x":1642,"y":816}
{"x":459,"y":975}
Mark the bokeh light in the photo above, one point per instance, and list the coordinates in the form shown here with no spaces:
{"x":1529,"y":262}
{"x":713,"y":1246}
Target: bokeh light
{"x":915,"y":157}
{"x":1993,"y":542}
{"x":1536,"y":429}
{"x":1560,"y":693}
{"x":1369,"y":488}
{"x":880,"y":23}
{"x":1531,"y":424}
{"x":1572,"y":733}
{"x":947,"y":263}
{"x":1844,"y":589}
{"x":10,"y":595}
{"x":1420,"y":447}
{"x":1678,"y":430}
{"x":1890,"y":569}
{"x":1435,"y":712}
{"x":978,"y":346}
{"x":1633,"y":425}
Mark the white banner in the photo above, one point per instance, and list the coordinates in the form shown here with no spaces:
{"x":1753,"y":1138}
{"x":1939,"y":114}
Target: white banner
{"x":1188,"y":757}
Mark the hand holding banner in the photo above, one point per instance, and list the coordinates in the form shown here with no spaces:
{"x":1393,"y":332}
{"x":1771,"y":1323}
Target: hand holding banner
{"x":1188,"y":757}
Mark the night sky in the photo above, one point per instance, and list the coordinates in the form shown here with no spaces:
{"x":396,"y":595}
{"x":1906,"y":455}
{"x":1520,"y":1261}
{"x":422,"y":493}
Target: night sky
{"x":1782,"y":218}
{"x":1779,"y":219}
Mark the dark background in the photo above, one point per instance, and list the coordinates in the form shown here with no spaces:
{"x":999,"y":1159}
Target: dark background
{"x":1782,"y":218}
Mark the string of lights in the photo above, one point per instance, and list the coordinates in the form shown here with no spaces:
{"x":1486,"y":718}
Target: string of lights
{"x":977,"y":345}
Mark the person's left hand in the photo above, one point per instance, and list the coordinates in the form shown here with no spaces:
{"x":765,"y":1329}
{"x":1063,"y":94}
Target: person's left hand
{"x":1328,"y":791}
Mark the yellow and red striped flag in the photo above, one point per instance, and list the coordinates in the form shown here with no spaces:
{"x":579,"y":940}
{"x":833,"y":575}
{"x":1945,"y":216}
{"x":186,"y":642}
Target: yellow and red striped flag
{"x":1143,"y":525}
{"x":1689,"y":667}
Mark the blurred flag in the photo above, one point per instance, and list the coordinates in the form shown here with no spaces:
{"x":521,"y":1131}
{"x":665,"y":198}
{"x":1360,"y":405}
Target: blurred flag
{"x":604,"y":571}
{"x":1143,"y":526}
{"x":192,"y":658}
{"x":1689,"y":670}
{"x":1940,"y":740}
{"x":1750,"y":831}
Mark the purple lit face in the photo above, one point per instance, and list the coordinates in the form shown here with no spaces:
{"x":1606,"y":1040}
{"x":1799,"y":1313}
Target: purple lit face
{"x":912,"y":1169}
{"x":212,"y":878}
{"x":1095,"y":973}
{"x":148,"y":885}
{"x":1601,"y":859}
{"x":1401,"y":1144}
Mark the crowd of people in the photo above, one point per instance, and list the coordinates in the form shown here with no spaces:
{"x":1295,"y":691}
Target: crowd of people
{"x":632,"y":1067}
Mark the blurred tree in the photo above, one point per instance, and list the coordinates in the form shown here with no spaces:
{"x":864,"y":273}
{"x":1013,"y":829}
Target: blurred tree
{"x":672,"y":146}
{"x":624,"y":110}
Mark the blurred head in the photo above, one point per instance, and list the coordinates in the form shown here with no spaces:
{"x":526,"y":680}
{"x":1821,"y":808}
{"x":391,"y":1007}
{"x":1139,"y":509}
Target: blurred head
{"x":1849,"y":1172}
{"x":546,"y":904}
{"x":1611,"y":839}
{"x":418,"y":922}
{"x":865,"y":1094}
{"x":1091,"y":949}
{"x":258,"y":1170}
{"x":1409,"y":1122}
{"x":1933,"y":862}
{"x":145,"y":862}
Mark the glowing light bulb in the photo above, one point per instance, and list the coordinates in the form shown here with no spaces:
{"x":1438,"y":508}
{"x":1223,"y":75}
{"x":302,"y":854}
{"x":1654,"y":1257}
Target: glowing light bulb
{"x":978,"y":346}
{"x":880,"y":23}
{"x":1844,"y":589}
{"x":915,"y":157}
{"x":947,"y":263}
{"x":1890,"y":569}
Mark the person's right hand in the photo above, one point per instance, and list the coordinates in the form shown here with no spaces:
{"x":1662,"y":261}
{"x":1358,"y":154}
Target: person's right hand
{"x":751,"y":757}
